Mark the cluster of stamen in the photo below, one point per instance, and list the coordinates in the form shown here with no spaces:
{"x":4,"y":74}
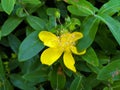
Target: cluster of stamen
{"x":66,"y":41}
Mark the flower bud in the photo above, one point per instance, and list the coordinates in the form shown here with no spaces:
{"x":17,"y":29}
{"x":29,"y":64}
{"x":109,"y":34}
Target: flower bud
{"x":57,"y":14}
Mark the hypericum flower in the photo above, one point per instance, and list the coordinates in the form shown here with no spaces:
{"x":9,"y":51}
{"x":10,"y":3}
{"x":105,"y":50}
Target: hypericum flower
{"x":64,"y":43}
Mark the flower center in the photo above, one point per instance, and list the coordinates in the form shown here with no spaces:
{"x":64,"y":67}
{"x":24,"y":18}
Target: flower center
{"x":66,"y":41}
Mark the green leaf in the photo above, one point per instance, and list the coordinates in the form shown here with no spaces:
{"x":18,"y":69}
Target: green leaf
{"x":4,"y":42}
{"x":5,"y":85}
{"x":41,"y":88}
{"x":110,"y":71}
{"x":35,"y":22}
{"x":78,"y":11}
{"x":106,"y":44}
{"x":93,"y":68}
{"x":103,"y":57}
{"x":13,"y":64}
{"x":107,"y":8}
{"x":19,"y":82}
{"x":51,"y":23}
{"x":8,"y":5}
{"x":113,"y":25}
{"x":1,"y":9}
{"x":82,"y":66}
{"x":42,"y":13}
{"x":105,"y":41}
{"x":91,"y":82}
{"x":88,"y":28}
{"x":91,"y":57}
{"x":20,"y":12}
{"x":66,"y":71}
{"x":52,"y":11}
{"x":106,"y":88}
{"x":31,"y":6}
{"x":30,"y":65}
{"x":14,"y":43}
{"x":10,"y":25}
{"x":38,"y":75}
{"x":30,"y":47}
{"x":116,"y":84}
{"x":77,"y":83}
{"x":36,"y":2}
{"x":118,"y":88}
{"x":81,"y":7}
{"x":57,"y":80}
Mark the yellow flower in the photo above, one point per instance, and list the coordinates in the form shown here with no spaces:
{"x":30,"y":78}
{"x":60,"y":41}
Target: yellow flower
{"x":64,"y":43}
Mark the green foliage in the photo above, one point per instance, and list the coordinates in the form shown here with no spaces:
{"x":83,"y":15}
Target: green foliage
{"x":20,"y":47}
{"x":38,"y":75}
{"x":76,"y":84}
{"x":30,"y":47}
{"x":57,"y":79}
{"x":81,"y":8}
{"x":14,"y":43}
{"x":89,"y":32}
{"x":91,"y":57}
{"x":9,"y":25}
{"x":35,"y":22}
{"x":8,"y":5}
{"x":114,"y":26}
{"x":107,"y":8}
{"x":19,"y":82}
{"x":111,"y":71}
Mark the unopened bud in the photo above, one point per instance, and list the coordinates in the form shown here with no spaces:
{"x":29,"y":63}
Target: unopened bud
{"x":57,"y":14}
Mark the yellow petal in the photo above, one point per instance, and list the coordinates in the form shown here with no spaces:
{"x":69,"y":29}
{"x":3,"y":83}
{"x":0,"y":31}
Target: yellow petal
{"x":49,"y":39}
{"x":50,"y":55}
{"x":69,"y":60}
{"x":76,"y":36}
{"x":74,"y":50}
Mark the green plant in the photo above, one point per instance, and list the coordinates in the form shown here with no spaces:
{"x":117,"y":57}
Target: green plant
{"x":97,"y":27}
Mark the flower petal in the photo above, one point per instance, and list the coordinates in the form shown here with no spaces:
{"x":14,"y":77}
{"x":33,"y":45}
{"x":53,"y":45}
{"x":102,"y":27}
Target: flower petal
{"x":49,"y":39}
{"x":74,"y":50}
{"x":76,"y":36}
{"x":69,"y":60}
{"x":50,"y":55}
